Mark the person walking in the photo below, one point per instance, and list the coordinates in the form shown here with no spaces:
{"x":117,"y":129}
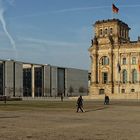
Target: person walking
{"x":62,"y":97}
{"x":106,"y":100}
{"x":80,"y":104}
{"x":5,"y":98}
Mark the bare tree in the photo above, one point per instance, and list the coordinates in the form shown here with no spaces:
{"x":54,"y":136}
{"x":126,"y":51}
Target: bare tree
{"x":82,"y":89}
{"x":71,"y":90}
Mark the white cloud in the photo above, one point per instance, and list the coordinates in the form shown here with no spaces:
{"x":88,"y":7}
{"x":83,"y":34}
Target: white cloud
{"x":49,"y":43}
{"x":69,"y":10}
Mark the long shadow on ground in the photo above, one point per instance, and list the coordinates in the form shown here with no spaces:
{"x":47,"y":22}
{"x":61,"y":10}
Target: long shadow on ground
{"x":100,"y":108}
{"x":7,"y":117}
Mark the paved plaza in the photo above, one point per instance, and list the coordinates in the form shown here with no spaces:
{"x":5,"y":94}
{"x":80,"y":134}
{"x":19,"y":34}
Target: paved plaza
{"x":55,"y":120}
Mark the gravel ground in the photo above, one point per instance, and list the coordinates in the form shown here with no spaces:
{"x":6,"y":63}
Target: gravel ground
{"x":117,"y":121}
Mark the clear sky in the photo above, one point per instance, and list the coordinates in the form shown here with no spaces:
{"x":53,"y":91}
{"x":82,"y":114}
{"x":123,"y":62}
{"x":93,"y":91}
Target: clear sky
{"x":58,"y":32}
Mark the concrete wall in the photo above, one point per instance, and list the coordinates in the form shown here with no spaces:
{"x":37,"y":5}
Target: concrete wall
{"x":71,"y":78}
{"x":53,"y":81}
{"x":9,"y":78}
{"x":47,"y":84}
{"x":18,"y":79}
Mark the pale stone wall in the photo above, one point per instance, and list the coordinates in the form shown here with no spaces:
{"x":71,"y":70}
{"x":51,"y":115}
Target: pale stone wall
{"x":134,"y":96}
{"x":115,"y":46}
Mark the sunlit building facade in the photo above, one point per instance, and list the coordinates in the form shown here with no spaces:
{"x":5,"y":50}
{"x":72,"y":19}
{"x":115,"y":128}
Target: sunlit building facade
{"x":115,"y":59}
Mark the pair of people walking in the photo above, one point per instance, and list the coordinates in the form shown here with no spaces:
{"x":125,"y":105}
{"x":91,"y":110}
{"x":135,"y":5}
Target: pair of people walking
{"x":80,"y":102}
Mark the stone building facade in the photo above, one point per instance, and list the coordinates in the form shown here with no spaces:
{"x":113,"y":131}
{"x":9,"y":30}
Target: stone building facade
{"x":115,"y":59}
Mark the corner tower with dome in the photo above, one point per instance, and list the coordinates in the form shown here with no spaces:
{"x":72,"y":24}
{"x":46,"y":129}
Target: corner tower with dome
{"x":115,"y":66}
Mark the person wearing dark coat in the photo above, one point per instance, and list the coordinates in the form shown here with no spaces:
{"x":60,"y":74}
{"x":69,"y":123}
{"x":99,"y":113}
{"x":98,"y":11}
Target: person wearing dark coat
{"x":61,"y":97}
{"x":80,"y":104}
{"x":106,"y":101}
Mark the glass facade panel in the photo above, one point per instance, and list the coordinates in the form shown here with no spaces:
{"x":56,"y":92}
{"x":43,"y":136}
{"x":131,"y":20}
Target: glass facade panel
{"x":27,"y":82}
{"x":38,"y":81}
{"x":61,"y":81}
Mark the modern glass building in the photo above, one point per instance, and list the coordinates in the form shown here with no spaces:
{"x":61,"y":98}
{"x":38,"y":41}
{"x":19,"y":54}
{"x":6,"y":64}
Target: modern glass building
{"x":20,"y":79}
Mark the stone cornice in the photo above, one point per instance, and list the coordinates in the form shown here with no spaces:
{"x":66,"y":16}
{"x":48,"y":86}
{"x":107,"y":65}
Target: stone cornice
{"x":111,"y":20}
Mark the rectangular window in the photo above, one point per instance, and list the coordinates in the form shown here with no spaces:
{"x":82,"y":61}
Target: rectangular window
{"x":105,"y":77}
{"x":105,"y":60}
{"x":133,"y":60}
{"x":124,"y":61}
{"x":123,"y":90}
{"x":101,"y":91}
{"x":132,"y":90}
{"x":101,"y":32}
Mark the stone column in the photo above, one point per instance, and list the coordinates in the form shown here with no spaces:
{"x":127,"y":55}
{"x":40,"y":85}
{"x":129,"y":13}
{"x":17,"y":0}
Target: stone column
{"x":111,"y":67}
{"x":33,"y":80}
{"x":129,"y":68}
{"x":4,"y":87}
{"x":93,"y":68}
{"x":119,"y":73}
{"x":66,"y":82}
{"x":138,"y":71}
{"x":43,"y":81}
{"x":111,"y":78}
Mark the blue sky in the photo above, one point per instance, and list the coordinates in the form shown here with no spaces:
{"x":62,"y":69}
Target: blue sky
{"x":58,"y":32}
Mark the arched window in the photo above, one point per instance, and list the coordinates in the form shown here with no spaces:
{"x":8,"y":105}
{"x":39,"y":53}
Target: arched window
{"x":134,"y":76}
{"x":105,"y":31}
{"x":105,"y":60}
{"x":111,"y":31}
{"x":101,"y":32}
{"x":124,"y":76}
